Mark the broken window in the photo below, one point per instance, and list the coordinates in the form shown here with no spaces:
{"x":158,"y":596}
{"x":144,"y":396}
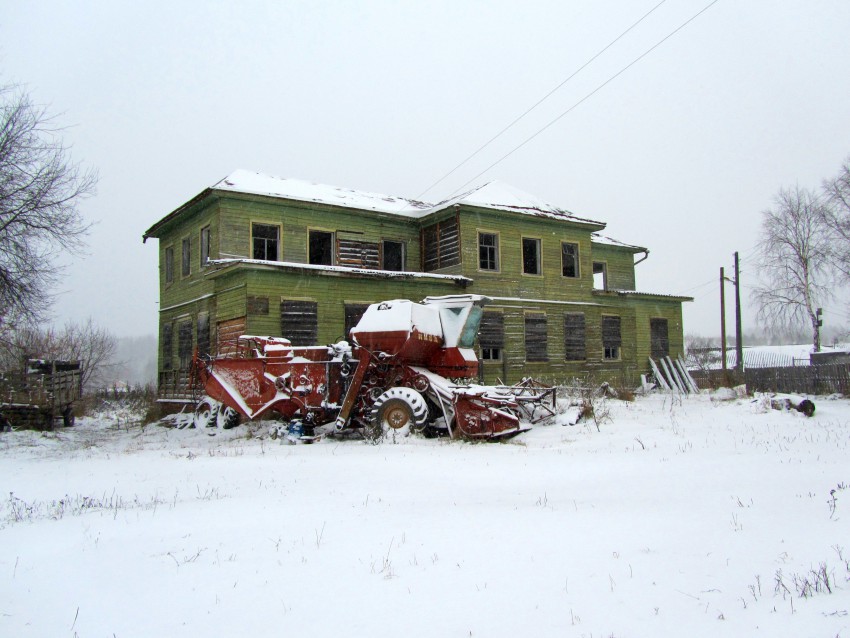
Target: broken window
{"x":659,"y":339}
{"x":169,"y":264}
{"x":574,"y":337}
{"x":393,"y":254}
{"x":299,"y":322}
{"x":203,"y":333}
{"x":441,"y":245}
{"x":569,"y":259}
{"x":535,"y":338}
{"x":184,"y":344}
{"x":187,"y":258}
{"x":491,"y":336}
{"x":353,"y":314}
{"x":600,"y":275}
{"x":320,"y":249}
{"x":167,"y":345}
{"x":266,"y":241}
{"x":205,"y":245}
{"x":488,"y":251}
{"x":611,"y":339}
{"x":530,"y":256}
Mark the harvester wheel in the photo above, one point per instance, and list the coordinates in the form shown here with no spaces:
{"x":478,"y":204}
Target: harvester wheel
{"x":206,"y":414}
{"x":398,"y":410}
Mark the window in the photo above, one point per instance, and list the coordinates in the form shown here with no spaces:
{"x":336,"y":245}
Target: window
{"x":257,"y":305}
{"x":574,"y":337}
{"x":169,"y":264}
{"x":488,"y":251}
{"x":265,"y":240}
{"x":299,"y":322}
{"x":491,"y":336}
{"x":167,"y":345}
{"x":530,"y":256}
{"x":205,"y":245}
{"x":320,"y":249}
{"x":569,"y":259}
{"x":203,"y":333}
{"x":535,"y":338}
{"x":393,"y":255}
{"x":187,"y":258}
{"x":353,"y":313}
{"x":184,"y":344}
{"x":441,"y":245}
{"x":658,"y":338}
{"x":611,"y":340}
{"x":600,"y":275}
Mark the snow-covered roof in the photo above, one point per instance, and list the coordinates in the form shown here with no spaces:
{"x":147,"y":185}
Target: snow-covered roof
{"x":500,"y":196}
{"x":242,"y":181}
{"x":495,"y":195}
{"x":602,"y":240}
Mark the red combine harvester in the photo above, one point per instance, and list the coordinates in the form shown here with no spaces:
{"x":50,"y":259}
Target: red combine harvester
{"x":395,"y":376}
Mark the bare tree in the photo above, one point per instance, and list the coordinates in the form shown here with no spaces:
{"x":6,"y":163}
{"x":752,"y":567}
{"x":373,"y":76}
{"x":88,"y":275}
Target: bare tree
{"x":702,"y":353}
{"x":92,"y":346}
{"x":794,"y":262}
{"x":40,"y":189}
{"x":837,"y":217}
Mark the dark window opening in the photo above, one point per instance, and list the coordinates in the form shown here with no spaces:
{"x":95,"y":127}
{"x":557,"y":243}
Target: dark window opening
{"x":600,"y":275}
{"x":184,"y":344}
{"x":353,"y":314}
{"x":659,"y":338}
{"x":321,"y":248}
{"x":393,"y":254}
{"x":167,"y":346}
{"x":299,"y":322}
{"x":266,"y":241}
{"x":575,"y":348}
{"x":205,"y":245}
{"x":488,"y":251}
{"x":535,"y":338}
{"x":611,"y":339}
{"x":569,"y":259}
{"x":203,"y":333}
{"x":169,"y":264}
{"x":530,"y":256}
{"x":491,"y":336}
{"x":187,"y":258}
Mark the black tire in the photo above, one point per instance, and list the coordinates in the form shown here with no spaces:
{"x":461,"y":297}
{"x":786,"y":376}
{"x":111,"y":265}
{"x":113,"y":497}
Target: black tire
{"x":206,"y":414}
{"x":398,"y":411}
{"x":227,"y":418}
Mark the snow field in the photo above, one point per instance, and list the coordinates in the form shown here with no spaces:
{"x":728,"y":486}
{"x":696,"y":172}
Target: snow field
{"x":674,"y":518}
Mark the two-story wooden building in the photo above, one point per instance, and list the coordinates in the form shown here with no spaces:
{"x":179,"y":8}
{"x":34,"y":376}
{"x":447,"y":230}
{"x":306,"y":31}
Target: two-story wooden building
{"x":255,"y":254}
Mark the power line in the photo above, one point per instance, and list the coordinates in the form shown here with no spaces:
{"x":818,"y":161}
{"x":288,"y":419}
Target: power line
{"x":540,"y":101}
{"x":592,"y":93}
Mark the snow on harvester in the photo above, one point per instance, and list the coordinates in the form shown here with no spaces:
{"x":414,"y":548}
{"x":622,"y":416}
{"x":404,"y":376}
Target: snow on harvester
{"x":396,"y":376}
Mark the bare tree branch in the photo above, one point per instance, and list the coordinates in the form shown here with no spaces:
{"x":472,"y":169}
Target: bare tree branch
{"x":40,"y":189}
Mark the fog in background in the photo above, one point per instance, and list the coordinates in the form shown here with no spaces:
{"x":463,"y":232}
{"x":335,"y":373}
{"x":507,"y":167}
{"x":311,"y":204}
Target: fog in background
{"x":680,"y":152}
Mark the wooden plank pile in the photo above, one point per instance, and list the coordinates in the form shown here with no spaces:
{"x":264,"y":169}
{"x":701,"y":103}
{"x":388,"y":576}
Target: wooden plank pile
{"x":673,"y":376}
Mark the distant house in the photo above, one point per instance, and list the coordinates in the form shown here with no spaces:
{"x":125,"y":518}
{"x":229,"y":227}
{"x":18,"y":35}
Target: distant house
{"x":263,"y":255}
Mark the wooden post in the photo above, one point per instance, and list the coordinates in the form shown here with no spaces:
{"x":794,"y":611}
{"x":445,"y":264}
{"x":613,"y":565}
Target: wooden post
{"x":723,"y":318}
{"x":739,"y":342}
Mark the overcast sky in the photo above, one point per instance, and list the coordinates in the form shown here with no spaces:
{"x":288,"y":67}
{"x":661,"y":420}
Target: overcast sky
{"x":679,"y":153}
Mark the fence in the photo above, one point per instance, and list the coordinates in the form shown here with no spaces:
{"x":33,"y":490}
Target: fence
{"x":820,"y":379}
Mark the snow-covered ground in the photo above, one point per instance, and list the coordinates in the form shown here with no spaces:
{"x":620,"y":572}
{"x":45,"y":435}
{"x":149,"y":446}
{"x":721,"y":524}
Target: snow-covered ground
{"x":679,"y":517}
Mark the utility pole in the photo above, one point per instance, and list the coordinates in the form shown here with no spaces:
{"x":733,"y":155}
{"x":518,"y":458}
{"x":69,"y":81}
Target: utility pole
{"x":723,"y":318}
{"x":739,"y":343}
